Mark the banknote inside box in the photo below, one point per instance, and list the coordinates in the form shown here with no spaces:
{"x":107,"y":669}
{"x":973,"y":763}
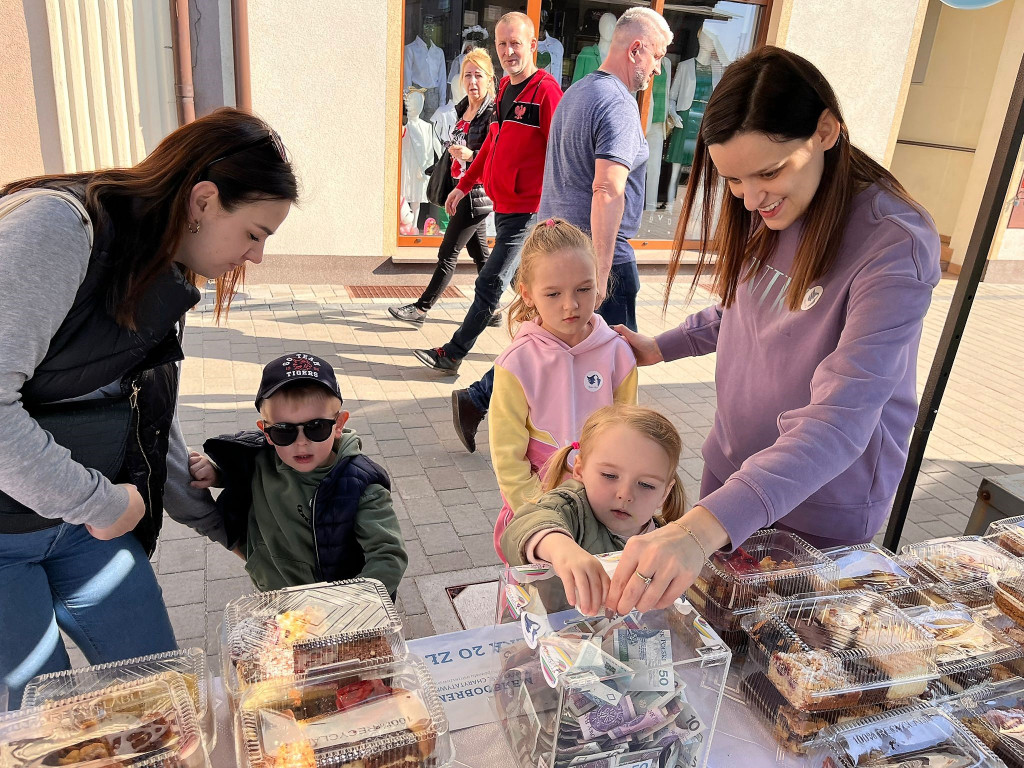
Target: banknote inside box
{"x":633,"y":691}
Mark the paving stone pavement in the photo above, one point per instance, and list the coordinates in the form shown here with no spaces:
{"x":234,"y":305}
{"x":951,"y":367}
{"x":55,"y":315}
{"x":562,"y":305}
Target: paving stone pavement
{"x":447,"y":499}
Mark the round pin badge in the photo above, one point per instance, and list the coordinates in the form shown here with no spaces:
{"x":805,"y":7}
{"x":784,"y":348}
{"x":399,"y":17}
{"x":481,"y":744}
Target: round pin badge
{"x":593,"y":381}
{"x":811,"y":297}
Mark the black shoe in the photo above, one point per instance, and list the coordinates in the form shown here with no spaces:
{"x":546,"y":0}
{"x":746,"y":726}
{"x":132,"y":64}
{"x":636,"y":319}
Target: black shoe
{"x":466,"y":417}
{"x":410,"y":313}
{"x":495,"y":321}
{"x":437,"y":359}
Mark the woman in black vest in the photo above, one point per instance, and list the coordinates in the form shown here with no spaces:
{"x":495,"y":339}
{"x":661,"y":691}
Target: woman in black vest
{"x":96,"y":272}
{"x":467,"y":228}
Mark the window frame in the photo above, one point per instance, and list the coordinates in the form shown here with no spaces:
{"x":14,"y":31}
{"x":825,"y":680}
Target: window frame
{"x":533,"y":9}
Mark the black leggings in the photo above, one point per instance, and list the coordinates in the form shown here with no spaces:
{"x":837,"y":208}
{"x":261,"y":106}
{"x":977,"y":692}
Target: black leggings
{"x":464,"y":231}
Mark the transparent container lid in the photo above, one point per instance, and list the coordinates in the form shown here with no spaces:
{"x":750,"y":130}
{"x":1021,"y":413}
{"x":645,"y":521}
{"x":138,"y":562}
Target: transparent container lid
{"x":904,"y":737}
{"x":839,"y":651}
{"x":995,"y":714}
{"x":389,"y":715}
{"x":148,"y":723}
{"x":1008,"y":534}
{"x":960,"y":564}
{"x":189,"y":663}
{"x":796,"y":730}
{"x":769,"y":564}
{"x":964,"y":640}
{"x":302,"y":629}
{"x":867,"y":566}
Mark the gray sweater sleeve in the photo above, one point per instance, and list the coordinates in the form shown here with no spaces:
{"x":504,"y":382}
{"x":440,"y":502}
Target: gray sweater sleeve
{"x":44,"y":255}
{"x":190,"y":506}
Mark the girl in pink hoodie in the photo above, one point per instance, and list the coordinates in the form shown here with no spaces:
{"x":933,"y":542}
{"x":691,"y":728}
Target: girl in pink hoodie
{"x":563,"y":364}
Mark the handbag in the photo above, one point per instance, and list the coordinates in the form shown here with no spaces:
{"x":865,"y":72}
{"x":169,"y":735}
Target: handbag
{"x":441,"y":182}
{"x":96,"y":430}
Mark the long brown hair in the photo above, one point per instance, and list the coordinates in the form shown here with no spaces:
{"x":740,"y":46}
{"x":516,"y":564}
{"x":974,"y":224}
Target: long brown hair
{"x":782,"y":95}
{"x":547,"y":238}
{"x":648,"y":423}
{"x":147,"y":204}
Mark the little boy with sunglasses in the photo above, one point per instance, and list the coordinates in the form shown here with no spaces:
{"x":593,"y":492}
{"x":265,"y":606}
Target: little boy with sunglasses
{"x":300,"y":499}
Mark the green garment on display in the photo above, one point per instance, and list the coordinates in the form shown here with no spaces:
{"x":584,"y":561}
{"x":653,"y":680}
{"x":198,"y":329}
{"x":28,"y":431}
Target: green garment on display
{"x":683,"y":142}
{"x":659,"y":102}
{"x":587,"y":61}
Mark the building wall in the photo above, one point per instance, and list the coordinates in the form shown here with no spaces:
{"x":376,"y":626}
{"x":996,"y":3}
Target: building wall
{"x":27,"y":111}
{"x":949,"y":107}
{"x":866,"y":49}
{"x":324,"y":82}
{"x":1007,"y":253}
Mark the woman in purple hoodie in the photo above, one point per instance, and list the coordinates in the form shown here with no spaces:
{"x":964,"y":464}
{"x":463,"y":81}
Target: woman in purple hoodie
{"x":824,"y":267}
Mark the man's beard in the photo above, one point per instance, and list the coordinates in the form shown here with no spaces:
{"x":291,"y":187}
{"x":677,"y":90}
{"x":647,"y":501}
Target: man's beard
{"x":640,"y":80}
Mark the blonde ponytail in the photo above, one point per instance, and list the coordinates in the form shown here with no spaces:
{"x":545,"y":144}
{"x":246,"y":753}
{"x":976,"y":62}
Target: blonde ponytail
{"x":555,"y":467}
{"x":675,"y":505}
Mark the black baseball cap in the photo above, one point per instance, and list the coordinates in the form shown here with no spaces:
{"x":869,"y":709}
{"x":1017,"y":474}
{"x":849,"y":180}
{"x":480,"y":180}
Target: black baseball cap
{"x":294,"y":368}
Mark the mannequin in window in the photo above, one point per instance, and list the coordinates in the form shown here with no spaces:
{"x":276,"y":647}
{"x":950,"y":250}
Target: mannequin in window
{"x":694,"y":81}
{"x":660,"y":88}
{"x":424,"y":69}
{"x":417,"y":153}
{"x":549,"y":50}
{"x":590,"y":58}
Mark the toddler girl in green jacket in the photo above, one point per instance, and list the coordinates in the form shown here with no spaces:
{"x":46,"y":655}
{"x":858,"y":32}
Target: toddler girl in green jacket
{"x":623,"y":474}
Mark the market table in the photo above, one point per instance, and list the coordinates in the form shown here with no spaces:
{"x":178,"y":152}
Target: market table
{"x":740,"y":738}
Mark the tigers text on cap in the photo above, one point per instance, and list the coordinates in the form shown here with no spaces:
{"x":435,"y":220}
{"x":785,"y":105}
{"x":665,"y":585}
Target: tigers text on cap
{"x":296,"y":367}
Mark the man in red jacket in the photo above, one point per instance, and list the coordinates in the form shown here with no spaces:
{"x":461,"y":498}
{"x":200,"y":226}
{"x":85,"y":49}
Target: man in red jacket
{"x":510,"y":165}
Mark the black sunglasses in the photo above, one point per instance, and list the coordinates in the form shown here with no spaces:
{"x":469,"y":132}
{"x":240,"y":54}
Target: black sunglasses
{"x":285,"y":433}
{"x":270,"y":136}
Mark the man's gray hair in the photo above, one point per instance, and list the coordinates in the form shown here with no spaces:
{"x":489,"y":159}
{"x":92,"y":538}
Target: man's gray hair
{"x":516,"y":17}
{"x":642,"y":23}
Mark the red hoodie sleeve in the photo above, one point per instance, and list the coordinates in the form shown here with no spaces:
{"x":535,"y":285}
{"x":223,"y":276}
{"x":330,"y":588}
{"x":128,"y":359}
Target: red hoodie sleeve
{"x":475,"y":172}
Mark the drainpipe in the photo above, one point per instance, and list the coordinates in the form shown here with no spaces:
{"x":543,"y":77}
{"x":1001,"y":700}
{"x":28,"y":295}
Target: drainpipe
{"x":240,"y":43}
{"x":183,"y":61}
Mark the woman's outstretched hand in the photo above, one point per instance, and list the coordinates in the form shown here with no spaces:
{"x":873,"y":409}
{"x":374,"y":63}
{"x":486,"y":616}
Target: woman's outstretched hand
{"x":670,"y":557}
{"x":645,"y":348}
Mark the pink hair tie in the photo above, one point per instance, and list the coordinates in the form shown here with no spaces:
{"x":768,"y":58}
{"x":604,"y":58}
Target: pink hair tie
{"x":575,"y":445}
{"x":550,"y":223}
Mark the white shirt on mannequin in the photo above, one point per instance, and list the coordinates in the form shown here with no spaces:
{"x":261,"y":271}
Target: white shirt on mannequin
{"x":424,"y":68}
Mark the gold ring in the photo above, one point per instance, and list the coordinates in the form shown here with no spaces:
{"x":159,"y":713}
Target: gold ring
{"x":645,"y":579}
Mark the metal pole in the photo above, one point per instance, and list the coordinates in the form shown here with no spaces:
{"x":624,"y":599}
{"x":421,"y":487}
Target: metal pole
{"x":975,"y":258}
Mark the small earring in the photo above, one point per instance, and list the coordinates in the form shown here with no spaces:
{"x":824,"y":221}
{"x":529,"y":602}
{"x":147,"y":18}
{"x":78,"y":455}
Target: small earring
{"x":193,"y":227}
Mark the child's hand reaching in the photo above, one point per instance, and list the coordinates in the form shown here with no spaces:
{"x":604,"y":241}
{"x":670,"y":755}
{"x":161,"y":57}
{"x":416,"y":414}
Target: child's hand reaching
{"x":204,"y":474}
{"x":586,"y":583}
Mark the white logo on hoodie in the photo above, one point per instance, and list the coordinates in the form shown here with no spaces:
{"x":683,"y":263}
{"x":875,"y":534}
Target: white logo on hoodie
{"x":593,"y":381}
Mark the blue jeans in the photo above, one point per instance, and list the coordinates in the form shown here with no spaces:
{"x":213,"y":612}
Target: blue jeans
{"x":510,"y":231}
{"x":104,"y":594}
{"x":619,"y":308}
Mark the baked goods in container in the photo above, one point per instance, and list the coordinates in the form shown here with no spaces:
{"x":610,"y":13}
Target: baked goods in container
{"x":838,"y":651}
{"x":382,"y":717}
{"x":303,"y":629}
{"x":148,"y":723}
{"x":910,"y":737}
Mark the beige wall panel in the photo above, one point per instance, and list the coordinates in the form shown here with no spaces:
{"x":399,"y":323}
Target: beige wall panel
{"x":866,"y":50}
{"x":320,"y":77}
{"x":1007,"y":243}
{"x":936,"y":179}
{"x":21,"y":152}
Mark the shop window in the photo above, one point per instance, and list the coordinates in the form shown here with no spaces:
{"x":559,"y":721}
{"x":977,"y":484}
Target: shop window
{"x":572,"y":37}
{"x":705,"y":41}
